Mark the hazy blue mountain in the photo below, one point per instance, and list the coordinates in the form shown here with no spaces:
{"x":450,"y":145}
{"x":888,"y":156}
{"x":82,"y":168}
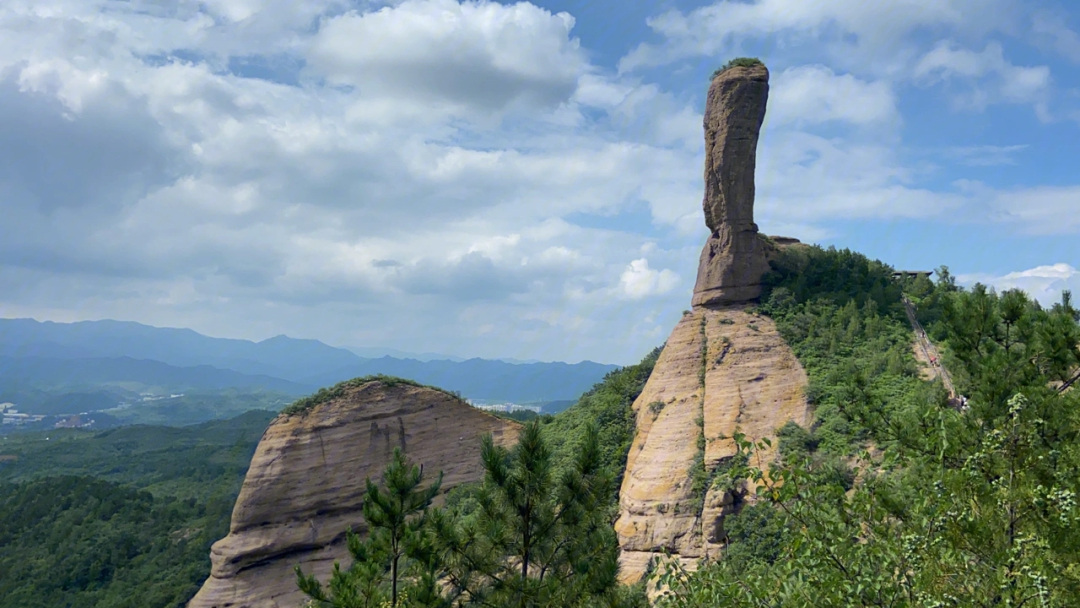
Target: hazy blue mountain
{"x":77,"y":375}
{"x":280,"y":356}
{"x":58,"y":366}
{"x":483,"y":378}
{"x":377,"y":352}
{"x":554,"y":407}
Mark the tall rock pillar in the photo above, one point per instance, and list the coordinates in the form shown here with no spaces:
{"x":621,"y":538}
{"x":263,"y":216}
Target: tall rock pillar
{"x":734,"y":258}
{"x":725,"y":368}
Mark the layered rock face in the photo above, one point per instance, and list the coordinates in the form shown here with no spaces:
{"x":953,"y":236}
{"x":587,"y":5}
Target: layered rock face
{"x":724,"y":369}
{"x":752,"y":383}
{"x":734,"y":258}
{"x":305,"y":485}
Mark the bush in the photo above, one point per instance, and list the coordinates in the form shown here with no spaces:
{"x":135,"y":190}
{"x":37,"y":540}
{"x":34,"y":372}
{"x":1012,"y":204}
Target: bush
{"x":738,"y":62}
{"x":656,"y":407}
{"x":795,"y":440}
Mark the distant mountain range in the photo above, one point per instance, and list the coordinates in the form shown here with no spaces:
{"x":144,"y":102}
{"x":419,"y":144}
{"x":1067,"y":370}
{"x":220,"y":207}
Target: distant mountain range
{"x":375,"y":352}
{"x":47,"y":358}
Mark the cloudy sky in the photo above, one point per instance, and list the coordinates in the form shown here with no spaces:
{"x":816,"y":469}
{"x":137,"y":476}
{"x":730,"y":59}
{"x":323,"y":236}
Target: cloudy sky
{"x":509,"y":179}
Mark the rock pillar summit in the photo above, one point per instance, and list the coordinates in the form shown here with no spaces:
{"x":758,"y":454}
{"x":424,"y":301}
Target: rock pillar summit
{"x":734,"y":258}
{"x":725,"y":368}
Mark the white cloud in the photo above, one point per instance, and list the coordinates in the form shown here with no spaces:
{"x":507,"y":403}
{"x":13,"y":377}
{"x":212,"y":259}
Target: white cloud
{"x":277,"y":167}
{"x":639,"y":281}
{"x":1030,"y":211}
{"x":877,"y":27}
{"x":985,"y":155}
{"x":813,"y":94}
{"x":807,"y":178}
{"x":1040,"y":210}
{"x":1051,"y":28}
{"x":597,"y":91}
{"x":472,"y":56}
{"x":989,"y":76}
{"x":1044,"y":283}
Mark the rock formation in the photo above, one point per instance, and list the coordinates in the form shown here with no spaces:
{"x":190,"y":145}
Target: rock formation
{"x":735,"y":257}
{"x":752,"y":383}
{"x":305,"y":485}
{"x":724,"y":369}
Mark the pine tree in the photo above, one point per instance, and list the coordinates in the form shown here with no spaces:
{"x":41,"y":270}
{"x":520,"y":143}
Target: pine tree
{"x":396,"y":516}
{"x":538,"y":540}
{"x":963,"y":508}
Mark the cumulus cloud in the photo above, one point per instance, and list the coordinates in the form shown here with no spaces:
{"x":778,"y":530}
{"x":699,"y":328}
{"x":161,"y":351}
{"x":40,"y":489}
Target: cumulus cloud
{"x":877,"y":28}
{"x":816,"y":94}
{"x":477,"y":55}
{"x":809,"y":178}
{"x":639,"y":281}
{"x":988,"y":76}
{"x":415,"y":173}
{"x":1044,"y":283}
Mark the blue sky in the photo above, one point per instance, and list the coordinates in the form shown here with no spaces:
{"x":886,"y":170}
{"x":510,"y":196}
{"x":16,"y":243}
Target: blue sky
{"x":509,"y":179}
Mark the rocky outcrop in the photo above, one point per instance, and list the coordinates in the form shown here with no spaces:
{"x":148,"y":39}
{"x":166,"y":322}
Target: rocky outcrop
{"x":305,"y":485}
{"x":735,"y":256}
{"x":723,"y":370}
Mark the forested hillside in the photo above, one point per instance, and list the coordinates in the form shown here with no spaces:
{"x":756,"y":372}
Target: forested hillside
{"x":132,"y":511}
{"x":121,"y":518}
{"x":536,"y":532}
{"x":897,"y":497}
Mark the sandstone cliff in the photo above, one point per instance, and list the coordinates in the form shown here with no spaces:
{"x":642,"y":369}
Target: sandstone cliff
{"x":752,"y":383}
{"x":723,"y":370}
{"x":305,"y":485}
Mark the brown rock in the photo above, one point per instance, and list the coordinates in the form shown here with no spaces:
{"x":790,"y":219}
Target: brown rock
{"x":305,"y":485}
{"x":752,"y":383}
{"x":723,"y":370}
{"x":785,"y":241}
{"x":731,"y":266}
{"x":735,"y":257}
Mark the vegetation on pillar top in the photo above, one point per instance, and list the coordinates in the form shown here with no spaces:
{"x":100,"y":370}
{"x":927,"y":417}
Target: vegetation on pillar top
{"x":738,"y":62}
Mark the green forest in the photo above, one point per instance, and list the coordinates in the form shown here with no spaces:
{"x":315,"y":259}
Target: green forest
{"x":120,"y":518}
{"x":131,"y":512}
{"x":898,"y":495}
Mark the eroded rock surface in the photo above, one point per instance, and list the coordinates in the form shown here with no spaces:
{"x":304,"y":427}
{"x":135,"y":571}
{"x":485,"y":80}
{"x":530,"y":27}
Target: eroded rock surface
{"x":731,"y":370}
{"x":724,"y":369}
{"x":735,"y":256}
{"x":305,"y":485}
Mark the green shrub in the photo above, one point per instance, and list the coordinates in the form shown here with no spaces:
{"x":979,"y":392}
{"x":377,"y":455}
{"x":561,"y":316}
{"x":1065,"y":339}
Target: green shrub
{"x":656,"y":407}
{"x":796,"y":441}
{"x":738,"y":62}
{"x":608,"y":404}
